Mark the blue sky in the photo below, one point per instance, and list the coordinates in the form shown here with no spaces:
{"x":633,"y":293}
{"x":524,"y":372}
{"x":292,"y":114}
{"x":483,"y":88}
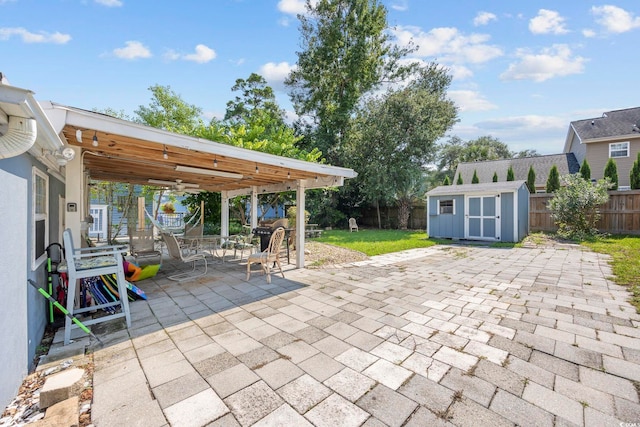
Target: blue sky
{"x":522,"y":70}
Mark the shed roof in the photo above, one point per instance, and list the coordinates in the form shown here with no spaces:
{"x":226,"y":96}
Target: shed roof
{"x":487,"y":187}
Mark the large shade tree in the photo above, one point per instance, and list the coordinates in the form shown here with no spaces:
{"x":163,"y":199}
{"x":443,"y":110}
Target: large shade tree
{"x":346,"y":52}
{"x":393,"y":137}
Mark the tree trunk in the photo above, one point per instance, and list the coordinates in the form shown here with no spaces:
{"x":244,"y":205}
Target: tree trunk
{"x":378,"y":211}
{"x":404,"y":209}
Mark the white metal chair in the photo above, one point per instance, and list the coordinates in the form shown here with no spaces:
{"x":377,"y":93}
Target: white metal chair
{"x":177,"y":253}
{"x":269,"y":255}
{"x":91,"y":262}
{"x":353,"y":225}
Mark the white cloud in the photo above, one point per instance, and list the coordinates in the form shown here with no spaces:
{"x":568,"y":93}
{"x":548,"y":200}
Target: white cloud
{"x":587,"y":32}
{"x":275,"y":74}
{"x":448,"y":45}
{"x":202,"y":55}
{"x":459,"y":72}
{"x":469,"y":100}
{"x":109,"y":3}
{"x":615,"y":19}
{"x":400,"y":5}
{"x":545,"y":134}
{"x":547,"y":22}
{"x":133,"y":50}
{"x":483,"y":18}
{"x":551,"y":62}
{"x":29,"y":37}
{"x":292,"y":7}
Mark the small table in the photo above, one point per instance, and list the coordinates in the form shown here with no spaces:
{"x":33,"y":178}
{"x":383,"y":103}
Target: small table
{"x":209,"y":242}
{"x":312,"y":230}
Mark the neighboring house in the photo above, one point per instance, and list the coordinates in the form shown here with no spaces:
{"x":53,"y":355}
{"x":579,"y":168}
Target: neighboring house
{"x":493,"y":211}
{"x":566,"y":164}
{"x":616,"y":134}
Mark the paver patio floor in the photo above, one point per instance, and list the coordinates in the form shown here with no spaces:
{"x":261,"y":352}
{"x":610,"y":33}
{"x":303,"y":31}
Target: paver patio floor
{"x":448,"y":335}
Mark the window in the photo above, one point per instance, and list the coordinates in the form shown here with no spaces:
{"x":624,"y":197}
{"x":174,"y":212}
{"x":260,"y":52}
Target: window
{"x":619,"y":149}
{"x":446,"y":207}
{"x":40,"y":209}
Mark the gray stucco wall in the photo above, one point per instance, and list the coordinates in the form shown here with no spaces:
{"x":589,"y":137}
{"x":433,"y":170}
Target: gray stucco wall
{"x":23,"y":307}
{"x":445,"y":225}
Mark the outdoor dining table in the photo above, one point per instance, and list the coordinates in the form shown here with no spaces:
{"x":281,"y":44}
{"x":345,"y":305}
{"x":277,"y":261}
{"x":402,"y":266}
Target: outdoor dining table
{"x":209,"y":244}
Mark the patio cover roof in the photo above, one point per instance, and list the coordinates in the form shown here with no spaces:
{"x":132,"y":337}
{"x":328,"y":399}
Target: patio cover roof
{"x":134,"y":153}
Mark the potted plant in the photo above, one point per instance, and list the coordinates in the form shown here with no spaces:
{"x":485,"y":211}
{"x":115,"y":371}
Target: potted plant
{"x":168,"y":208}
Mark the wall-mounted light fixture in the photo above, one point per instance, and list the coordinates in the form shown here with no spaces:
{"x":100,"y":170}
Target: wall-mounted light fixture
{"x":62,"y":155}
{"x":95,"y":139}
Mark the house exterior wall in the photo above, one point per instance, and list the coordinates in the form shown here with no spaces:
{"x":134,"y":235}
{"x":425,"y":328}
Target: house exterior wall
{"x":598,"y":155}
{"x":579,"y":150}
{"x":445,"y":225}
{"x":24,"y":308}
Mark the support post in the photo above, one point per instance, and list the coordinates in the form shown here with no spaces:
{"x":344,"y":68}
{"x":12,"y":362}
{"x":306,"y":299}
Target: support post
{"x":300,"y":208}
{"x":254,"y":207}
{"x":224,"y":214}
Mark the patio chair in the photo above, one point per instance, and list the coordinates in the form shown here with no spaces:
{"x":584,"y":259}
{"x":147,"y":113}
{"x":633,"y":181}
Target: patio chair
{"x":269,"y":255}
{"x":177,"y":253}
{"x":245,"y":243}
{"x":352,"y":224}
{"x":142,"y":247}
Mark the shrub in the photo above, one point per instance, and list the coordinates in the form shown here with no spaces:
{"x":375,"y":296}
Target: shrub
{"x":634,"y":175}
{"x":611,"y":172}
{"x":510,"y":175}
{"x":292,"y":213}
{"x":495,"y":177}
{"x":459,"y":182}
{"x":575,"y":206}
{"x":585,"y":170}
{"x":531,"y":180}
{"x":553,"y":180}
{"x":446,"y":181}
{"x":475,"y":179}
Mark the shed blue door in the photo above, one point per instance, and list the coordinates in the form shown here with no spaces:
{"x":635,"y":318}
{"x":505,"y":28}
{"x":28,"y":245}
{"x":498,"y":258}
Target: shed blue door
{"x":482,"y":217}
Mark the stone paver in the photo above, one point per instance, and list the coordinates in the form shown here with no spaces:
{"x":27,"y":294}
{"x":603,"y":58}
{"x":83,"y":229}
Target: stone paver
{"x":447,"y":335}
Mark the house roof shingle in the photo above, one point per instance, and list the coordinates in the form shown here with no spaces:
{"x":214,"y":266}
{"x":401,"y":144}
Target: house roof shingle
{"x":615,"y":123}
{"x":566,"y":164}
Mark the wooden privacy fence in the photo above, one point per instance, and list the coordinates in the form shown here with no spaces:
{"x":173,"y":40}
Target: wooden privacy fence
{"x":620,"y":215}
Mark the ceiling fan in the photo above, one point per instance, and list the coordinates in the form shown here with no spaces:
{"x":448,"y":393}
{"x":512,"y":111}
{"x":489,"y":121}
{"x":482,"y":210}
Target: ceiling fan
{"x":178,"y":186}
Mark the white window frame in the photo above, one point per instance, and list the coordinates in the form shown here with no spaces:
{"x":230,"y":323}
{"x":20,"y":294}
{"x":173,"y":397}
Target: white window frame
{"x":453,"y":203}
{"x":39,"y":216}
{"x":618,"y":147}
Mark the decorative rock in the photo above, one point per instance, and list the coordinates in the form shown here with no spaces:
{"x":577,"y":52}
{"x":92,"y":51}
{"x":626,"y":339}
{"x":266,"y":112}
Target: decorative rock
{"x":61,"y":386}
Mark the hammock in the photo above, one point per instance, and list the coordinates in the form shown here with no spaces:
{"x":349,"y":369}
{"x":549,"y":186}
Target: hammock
{"x":176,"y":231}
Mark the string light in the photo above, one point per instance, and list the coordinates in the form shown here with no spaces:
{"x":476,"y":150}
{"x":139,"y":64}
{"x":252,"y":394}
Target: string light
{"x":288,"y":174}
{"x":257,"y":170}
{"x":95,"y":139}
{"x":215,"y":162}
{"x":165,"y":155}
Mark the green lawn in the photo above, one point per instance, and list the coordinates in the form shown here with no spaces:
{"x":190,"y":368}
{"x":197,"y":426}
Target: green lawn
{"x":377,"y":242}
{"x":625,"y":251}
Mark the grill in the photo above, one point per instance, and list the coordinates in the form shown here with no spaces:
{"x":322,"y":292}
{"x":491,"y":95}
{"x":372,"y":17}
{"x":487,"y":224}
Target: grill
{"x":265,"y":234}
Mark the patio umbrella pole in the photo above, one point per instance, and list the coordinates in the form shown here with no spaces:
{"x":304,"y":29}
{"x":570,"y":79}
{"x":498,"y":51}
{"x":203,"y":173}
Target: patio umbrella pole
{"x":64,"y":310}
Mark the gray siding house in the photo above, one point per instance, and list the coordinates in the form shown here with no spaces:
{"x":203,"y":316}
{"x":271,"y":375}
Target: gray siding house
{"x":494,"y":211}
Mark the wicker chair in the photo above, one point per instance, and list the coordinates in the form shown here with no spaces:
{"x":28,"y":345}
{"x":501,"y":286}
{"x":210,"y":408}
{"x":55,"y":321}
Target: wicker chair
{"x":269,"y":255}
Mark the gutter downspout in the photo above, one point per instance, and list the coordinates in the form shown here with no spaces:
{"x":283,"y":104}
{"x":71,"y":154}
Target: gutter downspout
{"x":19,"y":138}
